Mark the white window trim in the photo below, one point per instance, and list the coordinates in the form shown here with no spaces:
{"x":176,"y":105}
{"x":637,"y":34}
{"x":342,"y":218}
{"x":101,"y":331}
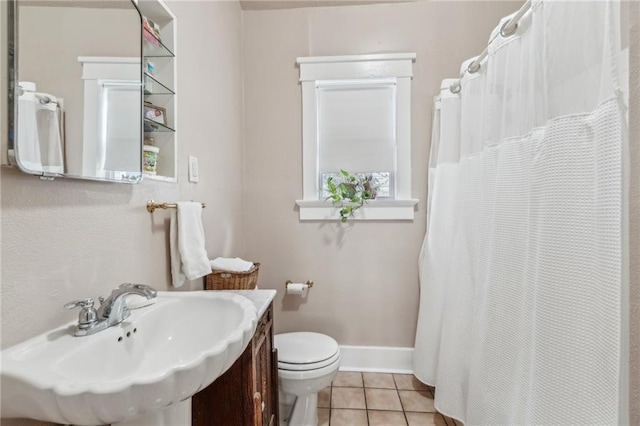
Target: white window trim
{"x":356,"y":67}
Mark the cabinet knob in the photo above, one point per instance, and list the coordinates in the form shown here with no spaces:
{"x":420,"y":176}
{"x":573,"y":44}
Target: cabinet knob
{"x":258,"y":407}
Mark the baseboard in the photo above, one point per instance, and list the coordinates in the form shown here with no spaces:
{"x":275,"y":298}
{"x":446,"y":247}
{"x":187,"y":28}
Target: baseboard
{"x":379,"y":359}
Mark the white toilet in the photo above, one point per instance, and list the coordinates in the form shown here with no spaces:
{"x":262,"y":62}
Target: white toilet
{"x":307,"y":363}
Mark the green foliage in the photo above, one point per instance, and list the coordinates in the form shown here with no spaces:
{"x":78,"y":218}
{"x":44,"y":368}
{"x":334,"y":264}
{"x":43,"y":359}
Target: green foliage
{"x":349,"y":192}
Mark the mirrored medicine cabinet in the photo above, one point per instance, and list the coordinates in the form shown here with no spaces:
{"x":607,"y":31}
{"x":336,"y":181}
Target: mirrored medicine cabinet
{"x":75,"y":93}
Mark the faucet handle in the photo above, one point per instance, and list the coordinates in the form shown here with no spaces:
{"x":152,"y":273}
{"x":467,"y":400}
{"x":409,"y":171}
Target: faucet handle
{"x":134,"y":285}
{"x":80,"y":303}
{"x":88,"y":314}
{"x":151,"y":292}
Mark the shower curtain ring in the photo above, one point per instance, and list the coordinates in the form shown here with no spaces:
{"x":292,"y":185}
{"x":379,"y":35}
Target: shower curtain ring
{"x":473,"y":67}
{"x":506,"y":32}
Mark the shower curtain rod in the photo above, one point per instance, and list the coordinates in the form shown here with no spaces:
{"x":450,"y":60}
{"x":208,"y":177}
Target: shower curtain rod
{"x":507,"y":30}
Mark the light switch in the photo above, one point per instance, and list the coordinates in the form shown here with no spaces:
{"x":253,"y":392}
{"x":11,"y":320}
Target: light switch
{"x":193,"y":169}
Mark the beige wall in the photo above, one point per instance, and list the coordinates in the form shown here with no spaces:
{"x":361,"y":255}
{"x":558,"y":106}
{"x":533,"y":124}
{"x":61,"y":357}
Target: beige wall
{"x":65,"y":240}
{"x":366,"y":274}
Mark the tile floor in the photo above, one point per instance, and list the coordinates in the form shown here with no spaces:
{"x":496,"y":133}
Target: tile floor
{"x":378,"y":399}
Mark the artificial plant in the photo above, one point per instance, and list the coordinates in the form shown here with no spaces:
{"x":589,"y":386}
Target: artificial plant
{"x":349,"y":192}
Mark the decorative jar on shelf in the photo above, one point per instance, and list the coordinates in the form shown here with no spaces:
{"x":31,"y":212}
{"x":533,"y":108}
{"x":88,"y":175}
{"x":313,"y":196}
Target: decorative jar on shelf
{"x":150,"y":159}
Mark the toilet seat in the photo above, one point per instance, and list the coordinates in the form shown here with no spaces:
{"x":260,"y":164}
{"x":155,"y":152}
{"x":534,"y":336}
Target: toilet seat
{"x":308,"y":375}
{"x":305,"y":351}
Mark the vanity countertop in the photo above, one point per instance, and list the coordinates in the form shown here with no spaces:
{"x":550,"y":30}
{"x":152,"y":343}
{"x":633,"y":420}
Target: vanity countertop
{"x":260,"y":298}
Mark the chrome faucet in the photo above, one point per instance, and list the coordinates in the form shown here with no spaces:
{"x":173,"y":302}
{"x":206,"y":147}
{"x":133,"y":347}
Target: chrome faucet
{"x":112,"y":311}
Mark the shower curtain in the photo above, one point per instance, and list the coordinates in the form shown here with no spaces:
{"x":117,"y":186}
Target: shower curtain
{"x":521,"y":270}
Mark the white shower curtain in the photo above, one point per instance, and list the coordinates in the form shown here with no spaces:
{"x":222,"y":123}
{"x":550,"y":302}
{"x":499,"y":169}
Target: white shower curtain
{"x":521,"y":267}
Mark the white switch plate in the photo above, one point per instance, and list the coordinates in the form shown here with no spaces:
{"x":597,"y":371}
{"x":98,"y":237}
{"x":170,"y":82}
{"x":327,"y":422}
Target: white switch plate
{"x":193,"y":169}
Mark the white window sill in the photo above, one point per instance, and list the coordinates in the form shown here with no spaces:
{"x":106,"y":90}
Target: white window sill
{"x":372,"y":210}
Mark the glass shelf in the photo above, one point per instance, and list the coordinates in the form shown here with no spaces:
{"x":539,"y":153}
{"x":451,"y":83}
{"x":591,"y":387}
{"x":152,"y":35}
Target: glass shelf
{"x":151,"y":126}
{"x":154,"y":87}
{"x":152,"y":47}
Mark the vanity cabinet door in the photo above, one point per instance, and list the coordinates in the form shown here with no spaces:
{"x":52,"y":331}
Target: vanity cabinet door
{"x":266,"y":383}
{"x":275,"y":400}
{"x":228,"y":401}
{"x":247,"y":393}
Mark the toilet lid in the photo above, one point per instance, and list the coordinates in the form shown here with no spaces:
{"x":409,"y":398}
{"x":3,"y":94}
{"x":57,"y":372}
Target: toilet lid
{"x":304,"y":347}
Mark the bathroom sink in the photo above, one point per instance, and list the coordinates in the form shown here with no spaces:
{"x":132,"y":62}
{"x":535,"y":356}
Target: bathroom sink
{"x":162,"y":354}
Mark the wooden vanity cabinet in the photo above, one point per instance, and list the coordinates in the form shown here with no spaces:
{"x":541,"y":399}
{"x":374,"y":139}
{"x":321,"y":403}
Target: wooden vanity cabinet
{"x":247,"y":393}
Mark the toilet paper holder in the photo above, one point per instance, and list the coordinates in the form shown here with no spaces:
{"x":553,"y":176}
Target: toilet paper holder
{"x":309,"y":283}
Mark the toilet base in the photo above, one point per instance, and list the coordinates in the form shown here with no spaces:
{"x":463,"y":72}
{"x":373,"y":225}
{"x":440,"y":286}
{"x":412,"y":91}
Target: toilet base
{"x":303,"y":413}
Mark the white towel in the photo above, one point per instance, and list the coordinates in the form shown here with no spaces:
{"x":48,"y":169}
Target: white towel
{"x":189,"y":258}
{"x":27,"y":144}
{"x":39,"y":137}
{"x":231,"y":264}
{"x":48,"y":119}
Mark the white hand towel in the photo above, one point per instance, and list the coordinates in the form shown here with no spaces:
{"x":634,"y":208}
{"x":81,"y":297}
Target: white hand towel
{"x":177,"y":276}
{"x":231,"y":264}
{"x":39,"y":138}
{"x":27,"y":143}
{"x":186,"y":237}
{"x":49,"y":134}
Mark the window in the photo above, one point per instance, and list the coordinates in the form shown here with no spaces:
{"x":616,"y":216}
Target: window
{"x":356,"y":128}
{"x":356,"y":117}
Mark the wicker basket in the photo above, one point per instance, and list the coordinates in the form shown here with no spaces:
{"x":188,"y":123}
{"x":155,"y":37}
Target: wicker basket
{"x":231,"y":280}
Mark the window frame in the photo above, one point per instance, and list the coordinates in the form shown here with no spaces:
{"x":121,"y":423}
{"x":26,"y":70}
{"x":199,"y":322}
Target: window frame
{"x":358,"y":69}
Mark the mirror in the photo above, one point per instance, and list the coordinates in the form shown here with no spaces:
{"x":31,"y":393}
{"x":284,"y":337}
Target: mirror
{"x":75,"y":89}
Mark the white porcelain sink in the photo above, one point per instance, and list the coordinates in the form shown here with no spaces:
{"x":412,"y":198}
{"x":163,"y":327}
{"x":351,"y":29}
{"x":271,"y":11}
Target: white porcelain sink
{"x":160,"y":355}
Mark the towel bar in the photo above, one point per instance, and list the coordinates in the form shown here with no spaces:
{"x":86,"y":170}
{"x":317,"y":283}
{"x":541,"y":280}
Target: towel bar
{"x":152,"y":206}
